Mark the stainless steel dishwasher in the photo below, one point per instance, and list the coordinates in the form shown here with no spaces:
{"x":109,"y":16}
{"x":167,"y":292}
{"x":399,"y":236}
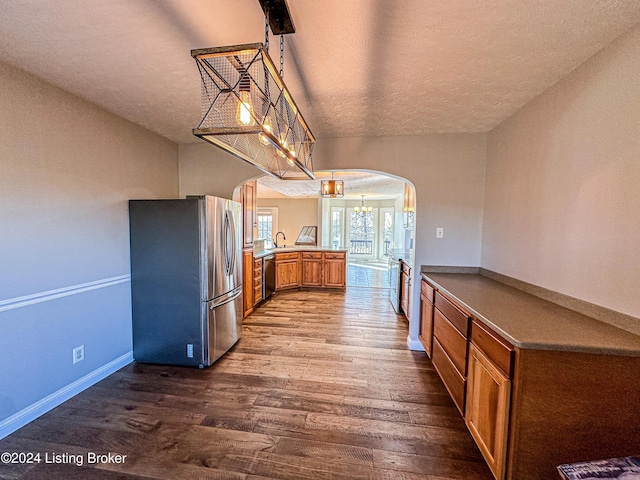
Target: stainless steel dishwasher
{"x":269,"y":272}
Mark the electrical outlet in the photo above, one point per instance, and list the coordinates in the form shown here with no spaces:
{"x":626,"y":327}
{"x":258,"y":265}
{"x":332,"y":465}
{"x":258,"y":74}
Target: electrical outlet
{"x":78,"y":354}
{"x":439,"y":232}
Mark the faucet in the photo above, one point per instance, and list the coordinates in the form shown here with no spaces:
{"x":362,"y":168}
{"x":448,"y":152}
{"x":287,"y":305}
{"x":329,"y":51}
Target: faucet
{"x":276,"y":239}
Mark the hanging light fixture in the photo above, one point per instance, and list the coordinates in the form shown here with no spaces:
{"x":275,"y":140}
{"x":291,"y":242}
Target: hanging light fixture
{"x":247,"y":109}
{"x":409,"y":206}
{"x":332,"y":188}
{"x":362,"y":210}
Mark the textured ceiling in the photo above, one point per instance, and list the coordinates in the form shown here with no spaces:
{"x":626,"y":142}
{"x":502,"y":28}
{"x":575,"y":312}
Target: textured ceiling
{"x":372,"y":185}
{"x":355,"y":68}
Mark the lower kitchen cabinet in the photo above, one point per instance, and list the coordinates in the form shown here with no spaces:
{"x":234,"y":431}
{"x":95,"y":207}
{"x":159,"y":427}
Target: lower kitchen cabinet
{"x":287,"y":270}
{"x":426,"y":317}
{"x":312,"y":269}
{"x":334,"y":270}
{"x":247,"y":281}
{"x":257,"y":281}
{"x":530,"y":409}
{"x":405,"y":287}
{"x":487,"y":409}
{"x":450,"y":347}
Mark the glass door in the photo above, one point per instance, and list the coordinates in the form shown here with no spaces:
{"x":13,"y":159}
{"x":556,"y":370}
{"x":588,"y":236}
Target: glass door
{"x":337,"y":227}
{"x":362,"y":234}
{"x":386,"y":230}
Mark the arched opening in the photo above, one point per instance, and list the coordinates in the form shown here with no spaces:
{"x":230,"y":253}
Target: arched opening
{"x":370,"y":234}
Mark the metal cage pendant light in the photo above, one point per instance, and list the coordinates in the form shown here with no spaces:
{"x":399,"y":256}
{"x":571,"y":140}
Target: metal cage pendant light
{"x":247,"y":109}
{"x":332,"y":188}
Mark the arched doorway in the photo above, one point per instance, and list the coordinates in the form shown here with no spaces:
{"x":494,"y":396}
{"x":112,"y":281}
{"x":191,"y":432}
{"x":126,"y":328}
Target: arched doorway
{"x":369,"y":234}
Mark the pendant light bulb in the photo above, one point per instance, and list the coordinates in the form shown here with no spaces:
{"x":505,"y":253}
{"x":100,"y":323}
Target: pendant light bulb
{"x":266,"y":127}
{"x":244,"y":113}
{"x":283,"y":146}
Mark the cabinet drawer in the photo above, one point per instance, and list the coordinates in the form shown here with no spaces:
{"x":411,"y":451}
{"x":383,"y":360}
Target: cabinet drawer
{"x":497,"y":349}
{"x":451,"y":340}
{"x":257,"y":282}
{"x":427,"y":290}
{"x":334,"y":256}
{"x":287,"y":256}
{"x":453,"y":313}
{"x":257,"y":294}
{"x":317,"y":255}
{"x":257,"y":263}
{"x":257,"y":271}
{"x":450,"y":376}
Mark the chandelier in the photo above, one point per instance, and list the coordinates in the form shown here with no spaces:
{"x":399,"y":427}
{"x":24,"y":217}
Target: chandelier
{"x":247,"y":109}
{"x":362,"y":210}
{"x":332,"y":188}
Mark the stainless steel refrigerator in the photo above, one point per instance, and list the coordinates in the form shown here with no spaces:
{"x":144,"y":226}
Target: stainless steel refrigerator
{"x":186,"y":279}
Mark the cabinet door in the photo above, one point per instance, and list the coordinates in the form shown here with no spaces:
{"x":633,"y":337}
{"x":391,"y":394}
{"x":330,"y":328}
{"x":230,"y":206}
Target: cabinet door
{"x":249,"y":212}
{"x":487,"y":409}
{"x":257,"y":281}
{"x":334,"y":272}
{"x":311,"y":272}
{"x":426,"y":323}
{"x":287,"y":274}
{"x":247,"y":281}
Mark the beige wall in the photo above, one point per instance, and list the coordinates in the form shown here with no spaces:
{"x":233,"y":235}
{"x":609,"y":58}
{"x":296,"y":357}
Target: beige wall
{"x":447,"y":172}
{"x":207,"y":170}
{"x":293,"y":214}
{"x":562,"y":203}
{"x":67,"y":171}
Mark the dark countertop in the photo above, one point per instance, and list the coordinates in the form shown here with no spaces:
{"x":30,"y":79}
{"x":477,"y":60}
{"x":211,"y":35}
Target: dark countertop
{"x":531,"y":322}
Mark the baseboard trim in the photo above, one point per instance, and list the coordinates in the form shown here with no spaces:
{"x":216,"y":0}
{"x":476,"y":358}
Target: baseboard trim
{"x":25,"y":301}
{"x":414,"y":344}
{"x":33,"y":411}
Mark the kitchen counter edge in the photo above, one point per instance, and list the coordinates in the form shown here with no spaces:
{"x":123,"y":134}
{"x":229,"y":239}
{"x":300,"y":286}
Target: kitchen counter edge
{"x":297,"y":248}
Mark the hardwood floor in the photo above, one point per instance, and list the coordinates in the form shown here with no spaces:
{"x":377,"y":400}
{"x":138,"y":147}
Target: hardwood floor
{"x":320,"y":386}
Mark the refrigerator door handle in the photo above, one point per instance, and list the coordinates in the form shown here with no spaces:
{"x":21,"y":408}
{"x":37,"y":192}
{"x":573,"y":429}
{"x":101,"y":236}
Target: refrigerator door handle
{"x":232,"y":295}
{"x":229,"y":248}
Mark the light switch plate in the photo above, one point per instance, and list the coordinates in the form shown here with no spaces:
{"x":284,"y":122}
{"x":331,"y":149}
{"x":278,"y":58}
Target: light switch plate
{"x":439,"y":232}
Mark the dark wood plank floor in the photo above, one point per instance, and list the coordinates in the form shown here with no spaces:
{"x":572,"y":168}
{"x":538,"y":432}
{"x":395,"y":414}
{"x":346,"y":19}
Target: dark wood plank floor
{"x":320,"y":386}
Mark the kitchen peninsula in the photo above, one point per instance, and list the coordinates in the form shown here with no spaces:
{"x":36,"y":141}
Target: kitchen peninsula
{"x":308,"y":266}
{"x":537,"y":384}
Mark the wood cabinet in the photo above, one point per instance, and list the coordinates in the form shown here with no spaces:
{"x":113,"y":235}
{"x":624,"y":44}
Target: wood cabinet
{"x":450,"y":346}
{"x":312,"y":269}
{"x":405,"y":287}
{"x":530,"y":409}
{"x":487,"y":409}
{"x":247,"y":281}
{"x":257,"y":281}
{"x":490,"y":366}
{"x":288,"y":270}
{"x":426,"y":316}
{"x":249,"y":213}
{"x":334,"y":270}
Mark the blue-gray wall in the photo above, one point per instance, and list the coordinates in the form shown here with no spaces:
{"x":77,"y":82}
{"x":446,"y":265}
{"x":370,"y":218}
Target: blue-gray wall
{"x":67,"y":169}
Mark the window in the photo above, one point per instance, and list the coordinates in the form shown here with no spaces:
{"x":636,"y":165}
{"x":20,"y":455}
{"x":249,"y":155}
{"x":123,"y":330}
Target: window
{"x":337,"y":227}
{"x":267,"y":224}
{"x":386,"y":220}
{"x":361,"y":234}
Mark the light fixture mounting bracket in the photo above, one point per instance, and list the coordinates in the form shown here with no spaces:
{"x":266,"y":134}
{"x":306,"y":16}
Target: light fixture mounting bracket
{"x":277,"y":13}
